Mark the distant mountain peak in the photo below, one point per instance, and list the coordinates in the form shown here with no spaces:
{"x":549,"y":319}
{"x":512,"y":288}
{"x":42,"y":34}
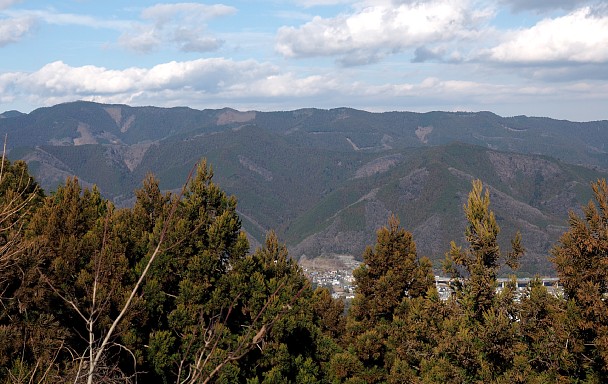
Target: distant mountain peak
{"x":230,"y":115}
{"x":10,"y":114}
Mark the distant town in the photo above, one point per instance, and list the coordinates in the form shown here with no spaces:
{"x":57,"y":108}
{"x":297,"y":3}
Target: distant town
{"x":337,"y":275}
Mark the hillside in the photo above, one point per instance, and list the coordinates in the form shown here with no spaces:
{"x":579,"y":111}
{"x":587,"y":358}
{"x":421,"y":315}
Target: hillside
{"x":327,"y":179}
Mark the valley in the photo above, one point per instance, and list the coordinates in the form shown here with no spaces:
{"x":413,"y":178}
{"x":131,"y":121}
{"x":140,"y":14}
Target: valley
{"x":326,"y":180}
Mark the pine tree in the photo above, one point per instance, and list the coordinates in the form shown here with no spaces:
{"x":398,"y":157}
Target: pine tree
{"x":475,"y":268}
{"x":486,"y":333}
{"x":239,"y":317}
{"x":28,"y":339}
{"x":293,"y":346}
{"x":546,"y":324}
{"x":391,"y":272}
{"x":581,"y":260}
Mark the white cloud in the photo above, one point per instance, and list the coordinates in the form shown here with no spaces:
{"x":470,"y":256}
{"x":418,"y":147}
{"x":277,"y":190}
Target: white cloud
{"x":7,"y":3}
{"x":13,"y":29}
{"x":565,"y":73}
{"x":287,"y":85}
{"x":197,"y":83}
{"x":314,"y":3}
{"x":187,"y":80}
{"x":581,"y":36}
{"x":249,"y":84}
{"x":543,"y":5}
{"x":191,"y":40}
{"x":140,"y":39}
{"x":189,"y":12}
{"x":56,"y":18}
{"x":376,"y":29}
{"x":182,"y":24}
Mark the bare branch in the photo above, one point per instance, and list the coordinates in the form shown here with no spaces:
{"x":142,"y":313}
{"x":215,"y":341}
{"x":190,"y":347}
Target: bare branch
{"x":3,"y":157}
{"x":68,"y":301}
{"x":135,"y":289}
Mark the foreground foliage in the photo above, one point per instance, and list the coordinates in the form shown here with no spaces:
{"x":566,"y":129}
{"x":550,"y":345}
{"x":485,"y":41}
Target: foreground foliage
{"x":167,"y":292}
{"x":164,"y":291}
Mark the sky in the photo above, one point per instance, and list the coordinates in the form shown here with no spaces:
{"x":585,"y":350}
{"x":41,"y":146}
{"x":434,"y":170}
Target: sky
{"x":512,"y":57}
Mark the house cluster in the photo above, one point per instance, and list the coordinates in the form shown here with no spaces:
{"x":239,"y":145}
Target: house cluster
{"x":340,"y":282}
{"x":445,"y":290}
{"x":338,"y":278}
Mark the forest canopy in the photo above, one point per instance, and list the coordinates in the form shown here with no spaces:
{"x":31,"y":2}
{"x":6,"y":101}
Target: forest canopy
{"x":168,"y":291}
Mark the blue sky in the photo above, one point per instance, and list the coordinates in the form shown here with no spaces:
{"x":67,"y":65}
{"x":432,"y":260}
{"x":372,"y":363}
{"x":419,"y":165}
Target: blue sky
{"x":511,"y":57}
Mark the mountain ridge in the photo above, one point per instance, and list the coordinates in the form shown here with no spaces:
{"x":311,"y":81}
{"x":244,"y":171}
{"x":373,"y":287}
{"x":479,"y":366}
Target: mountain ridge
{"x":325,"y":180}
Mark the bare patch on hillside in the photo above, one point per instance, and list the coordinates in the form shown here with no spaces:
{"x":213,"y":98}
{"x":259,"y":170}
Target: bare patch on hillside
{"x":116,"y":115}
{"x":250,"y":165}
{"x":379,"y":165}
{"x":412,"y":185}
{"x":509,"y":165}
{"x":61,"y":141}
{"x":343,"y":115}
{"x":134,"y":154}
{"x":232,"y":116}
{"x":461,"y":174}
{"x":513,"y":129}
{"x":423,"y":132}
{"x":352,"y":143}
{"x":325,"y":263}
{"x":127,"y":124}
{"x":334,"y":240}
{"x":387,"y":140}
{"x":86,"y":136}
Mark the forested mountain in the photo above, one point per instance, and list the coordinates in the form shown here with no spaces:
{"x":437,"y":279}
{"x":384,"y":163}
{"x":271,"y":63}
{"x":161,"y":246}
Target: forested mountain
{"x":326,"y":179}
{"x":167,"y":291}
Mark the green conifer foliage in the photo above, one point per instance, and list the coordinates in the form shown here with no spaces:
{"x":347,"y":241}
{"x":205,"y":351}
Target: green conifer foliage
{"x":475,"y":268}
{"x":84,"y":276}
{"x":329,"y":312}
{"x":546,"y":325}
{"x":85,"y":305}
{"x":23,"y":346}
{"x":391,"y":272}
{"x":483,"y":342}
{"x":207,"y":310}
{"x":224,"y":315}
{"x":581,"y":260}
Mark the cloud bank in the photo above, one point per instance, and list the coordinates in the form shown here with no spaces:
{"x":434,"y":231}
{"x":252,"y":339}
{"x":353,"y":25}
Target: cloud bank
{"x":581,"y":36}
{"x":510,"y":56}
{"x":374,"y":31}
{"x":182,"y":24}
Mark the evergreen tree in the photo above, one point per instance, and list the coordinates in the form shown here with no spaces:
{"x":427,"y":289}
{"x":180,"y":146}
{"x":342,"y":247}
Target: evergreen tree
{"x":486,"y":335}
{"x":295,"y":347}
{"x":239,"y":317}
{"x":475,"y":268}
{"x":83,"y":277}
{"x":581,"y":260}
{"x":547,"y":324}
{"x":21,"y":342}
{"x":391,"y":272}
{"x":164,"y":292}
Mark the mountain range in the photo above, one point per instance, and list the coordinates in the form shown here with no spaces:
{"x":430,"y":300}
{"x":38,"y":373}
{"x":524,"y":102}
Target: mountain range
{"x":325,"y":180}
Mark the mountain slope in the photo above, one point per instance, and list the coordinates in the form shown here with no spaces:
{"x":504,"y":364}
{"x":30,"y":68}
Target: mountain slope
{"x":327,"y":179}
